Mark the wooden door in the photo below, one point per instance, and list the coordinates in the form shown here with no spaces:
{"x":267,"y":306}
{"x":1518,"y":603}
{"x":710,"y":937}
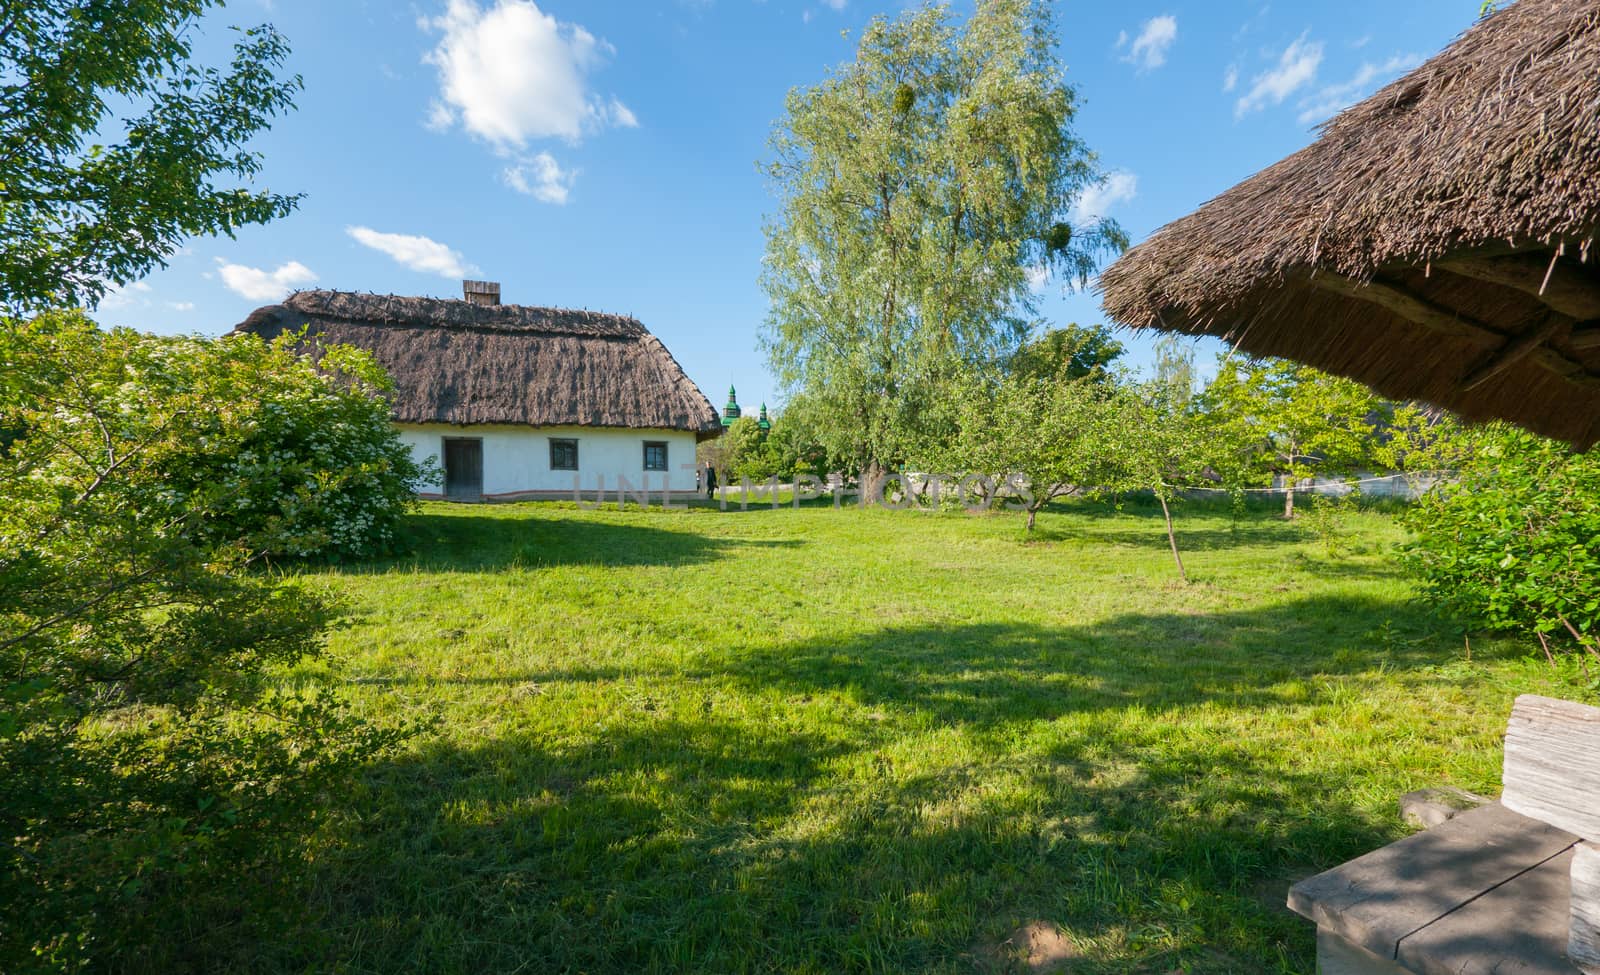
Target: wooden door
{"x":463,"y":468}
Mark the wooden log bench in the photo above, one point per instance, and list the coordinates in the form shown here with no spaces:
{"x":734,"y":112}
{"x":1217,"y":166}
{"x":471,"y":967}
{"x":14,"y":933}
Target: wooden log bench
{"x":1509,"y":888}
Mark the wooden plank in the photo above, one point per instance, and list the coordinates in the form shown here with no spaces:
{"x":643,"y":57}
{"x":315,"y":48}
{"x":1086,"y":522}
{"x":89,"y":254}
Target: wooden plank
{"x":1513,"y":352}
{"x":1437,"y":318}
{"x":1413,"y":308}
{"x":1564,"y":286}
{"x":1336,"y":956}
{"x":1378,"y":899}
{"x":1518,"y":928}
{"x":1552,"y":766}
{"x":1583,"y":940}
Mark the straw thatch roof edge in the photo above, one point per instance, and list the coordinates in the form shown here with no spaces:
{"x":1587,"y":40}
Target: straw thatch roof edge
{"x":455,"y":362}
{"x":1433,"y":242}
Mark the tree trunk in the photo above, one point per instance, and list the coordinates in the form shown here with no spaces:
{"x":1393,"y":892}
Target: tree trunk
{"x":1031,"y":513}
{"x":873,"y":478}
{"x":1288,"y":499}
{"x":1172,"y":539}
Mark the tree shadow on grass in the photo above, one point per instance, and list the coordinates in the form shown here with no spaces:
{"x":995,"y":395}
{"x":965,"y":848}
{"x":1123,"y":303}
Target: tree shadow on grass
{"x":896,"y":800}
{"x":689,"y":847}
{"x":474,"y":542}
{"x":997,"y":673}
{"x":1254,"y":529}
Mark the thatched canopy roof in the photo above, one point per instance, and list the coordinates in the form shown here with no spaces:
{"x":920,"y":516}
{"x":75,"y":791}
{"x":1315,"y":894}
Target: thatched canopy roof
{"x":1434,"y":242}
{"x":458,"y":362}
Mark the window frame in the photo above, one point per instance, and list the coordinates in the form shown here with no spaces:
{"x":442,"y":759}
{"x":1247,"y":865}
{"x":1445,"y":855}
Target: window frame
{"x":662,"y":444}
{"x":563,"y":443}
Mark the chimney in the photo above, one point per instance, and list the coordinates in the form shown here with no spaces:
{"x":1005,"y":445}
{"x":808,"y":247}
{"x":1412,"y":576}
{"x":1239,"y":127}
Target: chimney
{"x":481,"y":292}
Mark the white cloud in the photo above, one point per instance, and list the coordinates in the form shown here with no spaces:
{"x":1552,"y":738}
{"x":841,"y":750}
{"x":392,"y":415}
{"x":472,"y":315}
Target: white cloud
{"x":124,"y":296}
{"x":1149,"y":49}
{"x":835,"y":4}
{"x":540,"y":177}
{"x":1038,"y":277}
{"x":1230,"y":78}
{"x":1329,"y":100}
{"x":415,"y":252}
{"x":512,"y":73}
{"x":1296,"y":68}
{"x":181,"y":305}
{"x":1097,"y":200}
{"x":440,"y":117}
{"x":623,"y":115}
{"x":1122,"y":40}
{"x":259,"y":285}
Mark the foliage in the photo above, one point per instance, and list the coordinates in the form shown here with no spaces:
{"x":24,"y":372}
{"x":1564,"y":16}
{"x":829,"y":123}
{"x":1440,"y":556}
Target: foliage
{"x":743,"y":451}
{"x":919,"y":185}
{"x":789,"y":450}
{"x":76,"y":214}
{"x":1074,"y":352}
{"x":244,"y":441}
{"x":1514,"y":543}
{"x":794,"y":446}
{"x":146,"y":763}
{"x":1164,"y":445}
{"x":1329,"y":520}
{"x":1421,"y":441}
{"x":1040,"y":438}
{"x":1272,"y":416}
{"x":1033,"y":437}
{"x":1175,"y":372}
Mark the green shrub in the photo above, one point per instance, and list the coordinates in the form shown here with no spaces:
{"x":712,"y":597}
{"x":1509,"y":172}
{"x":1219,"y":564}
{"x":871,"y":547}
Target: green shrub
{"x":153,"y":778}
{"x":266,"y":448}
{"x":1514,"y":543}
{"x":1328,"y":519}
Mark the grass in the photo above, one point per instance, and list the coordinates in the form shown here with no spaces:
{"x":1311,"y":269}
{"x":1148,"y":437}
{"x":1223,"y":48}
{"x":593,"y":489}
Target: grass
{"x":823,"y":741}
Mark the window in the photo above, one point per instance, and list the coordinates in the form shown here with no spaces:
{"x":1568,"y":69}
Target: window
{"x":655,"y":455}
{"x":563,"y":455}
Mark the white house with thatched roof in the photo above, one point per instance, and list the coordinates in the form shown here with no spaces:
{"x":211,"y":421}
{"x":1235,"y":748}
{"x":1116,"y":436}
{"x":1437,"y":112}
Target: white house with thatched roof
{"x":515,"y":402}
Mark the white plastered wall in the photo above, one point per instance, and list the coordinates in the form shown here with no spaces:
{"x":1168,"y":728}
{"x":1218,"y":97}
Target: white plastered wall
{"x":516,"y":459}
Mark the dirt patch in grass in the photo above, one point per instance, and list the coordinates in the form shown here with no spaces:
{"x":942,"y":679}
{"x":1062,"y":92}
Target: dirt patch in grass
{"x":1036,"y":947}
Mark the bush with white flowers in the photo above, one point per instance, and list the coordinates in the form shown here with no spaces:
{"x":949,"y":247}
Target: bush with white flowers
{"x":296,"y":457}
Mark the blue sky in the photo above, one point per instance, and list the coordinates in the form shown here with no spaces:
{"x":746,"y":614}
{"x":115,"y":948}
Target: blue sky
{"x":604,"y":155}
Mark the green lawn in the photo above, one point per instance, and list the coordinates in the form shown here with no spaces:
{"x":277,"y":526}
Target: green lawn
{"x":822,"y":741}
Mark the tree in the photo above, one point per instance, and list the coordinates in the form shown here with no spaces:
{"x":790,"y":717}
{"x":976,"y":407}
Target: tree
{"x":1175,"y":374}
{"x":919,"y":185}
{"x":1284,"y":418}
{"x":1165,"y":447}
{"x":77,"y":215}
{"x":1074,"y":352}
{"x":1041,"y":438}
{"x":145,"y":759}
{"x":744,"y":453}
{"x":1420,"y":441}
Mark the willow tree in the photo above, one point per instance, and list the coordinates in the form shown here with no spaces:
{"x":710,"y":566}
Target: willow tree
{"x":923,"y":186}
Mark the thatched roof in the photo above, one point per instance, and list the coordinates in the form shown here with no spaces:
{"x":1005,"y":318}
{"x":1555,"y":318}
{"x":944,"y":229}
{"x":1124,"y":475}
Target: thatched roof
{"x":1433,"y":242}
{"x":458,"y":362}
